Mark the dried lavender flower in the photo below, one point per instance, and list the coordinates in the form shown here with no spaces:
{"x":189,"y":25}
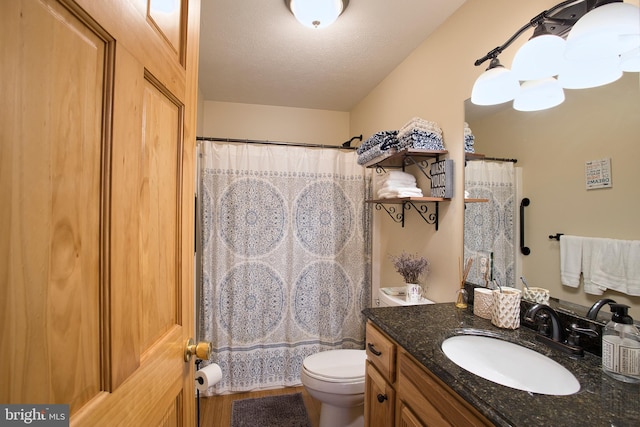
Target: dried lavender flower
{"x":410,"y":267}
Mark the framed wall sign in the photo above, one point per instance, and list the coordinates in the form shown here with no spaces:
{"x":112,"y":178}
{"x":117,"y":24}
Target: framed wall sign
{"x":598,"y":174}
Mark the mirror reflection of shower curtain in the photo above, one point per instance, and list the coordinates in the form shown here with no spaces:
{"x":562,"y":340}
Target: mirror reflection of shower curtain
{"x":489,"y":228}
{"x":285,"y":258}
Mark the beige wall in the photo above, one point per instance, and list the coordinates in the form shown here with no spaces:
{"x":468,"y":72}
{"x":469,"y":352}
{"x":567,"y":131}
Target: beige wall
{"x":433,"y":83}
{"x":264,"y":122}
{"x":552,"y":147}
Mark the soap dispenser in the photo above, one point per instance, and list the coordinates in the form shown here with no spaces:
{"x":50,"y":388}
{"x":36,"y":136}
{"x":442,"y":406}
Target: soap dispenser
{"x":621,"y":346}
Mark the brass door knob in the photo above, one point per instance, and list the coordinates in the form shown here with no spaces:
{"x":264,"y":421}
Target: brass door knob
{"x":202,"y":350}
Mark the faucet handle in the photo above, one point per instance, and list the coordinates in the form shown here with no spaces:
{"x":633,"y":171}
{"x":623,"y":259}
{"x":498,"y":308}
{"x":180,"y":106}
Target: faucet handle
{"x":575,"y":331}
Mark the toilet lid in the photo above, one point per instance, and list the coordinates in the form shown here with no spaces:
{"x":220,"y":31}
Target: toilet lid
{"x":337,"y":364}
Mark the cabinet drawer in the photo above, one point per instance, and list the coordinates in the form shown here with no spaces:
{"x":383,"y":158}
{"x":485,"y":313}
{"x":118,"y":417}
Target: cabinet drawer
{"x":431,"y":400}
{"x":381,"y":351}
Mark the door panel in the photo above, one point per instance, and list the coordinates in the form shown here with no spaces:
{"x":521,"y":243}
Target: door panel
{"x":161,"y":148}
{"x":51,"y":211}
{"x":96,"y":169}
{"x":166,"y":16}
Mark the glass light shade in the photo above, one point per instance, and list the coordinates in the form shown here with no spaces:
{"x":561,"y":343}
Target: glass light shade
{"x":602,"y":32}
{"x":495,"y":86}
{"x":630,"y":61}
{"x":316,"y":13}
{"x":593,"y":73}
{"x":538,"y":95}
{"x":538,"y":58}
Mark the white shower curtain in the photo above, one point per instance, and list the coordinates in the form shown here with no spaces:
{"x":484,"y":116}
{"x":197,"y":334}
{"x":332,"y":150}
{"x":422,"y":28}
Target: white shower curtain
{"x":489,"y":227}
{"x":285,"y":258}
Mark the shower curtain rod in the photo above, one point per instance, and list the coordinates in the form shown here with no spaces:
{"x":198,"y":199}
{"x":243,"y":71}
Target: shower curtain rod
{"x":267,"y":142}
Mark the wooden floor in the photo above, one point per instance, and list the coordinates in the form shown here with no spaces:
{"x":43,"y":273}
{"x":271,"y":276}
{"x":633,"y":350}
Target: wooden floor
{"x":215,"y":411}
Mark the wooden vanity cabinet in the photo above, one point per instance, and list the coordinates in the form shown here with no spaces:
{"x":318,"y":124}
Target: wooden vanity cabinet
{"x":399,"y":391}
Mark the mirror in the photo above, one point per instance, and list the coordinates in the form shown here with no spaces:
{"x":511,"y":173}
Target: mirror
{"x":552,"y":148}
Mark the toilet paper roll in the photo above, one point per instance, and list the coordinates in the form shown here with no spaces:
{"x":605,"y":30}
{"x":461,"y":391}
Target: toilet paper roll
{"x":208,"y":376}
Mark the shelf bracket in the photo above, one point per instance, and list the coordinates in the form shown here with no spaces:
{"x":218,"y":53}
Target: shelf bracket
{"x":422,"y":165}
{"x":423,"y":210}
{"x":396,"y":216}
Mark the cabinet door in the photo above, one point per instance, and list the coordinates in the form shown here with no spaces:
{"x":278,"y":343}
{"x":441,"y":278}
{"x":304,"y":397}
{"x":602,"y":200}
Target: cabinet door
{"x":380,"y":399}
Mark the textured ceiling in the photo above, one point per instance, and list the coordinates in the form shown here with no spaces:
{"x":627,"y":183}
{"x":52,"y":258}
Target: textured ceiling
{"x":255,"y":52}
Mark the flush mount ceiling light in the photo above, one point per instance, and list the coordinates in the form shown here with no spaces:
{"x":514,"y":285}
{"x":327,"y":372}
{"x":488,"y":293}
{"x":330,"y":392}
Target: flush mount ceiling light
{"x":578,"y":43}
{"x":316,"y":13}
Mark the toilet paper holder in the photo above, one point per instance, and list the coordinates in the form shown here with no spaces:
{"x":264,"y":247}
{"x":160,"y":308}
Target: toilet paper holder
{"x":201,"y":350}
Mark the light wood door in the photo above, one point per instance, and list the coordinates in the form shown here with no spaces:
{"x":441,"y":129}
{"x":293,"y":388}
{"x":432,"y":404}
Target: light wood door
{"x":97,"y":127}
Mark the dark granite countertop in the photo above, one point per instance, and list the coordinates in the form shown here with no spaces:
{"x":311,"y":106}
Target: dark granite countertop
{"x":601,"y":401}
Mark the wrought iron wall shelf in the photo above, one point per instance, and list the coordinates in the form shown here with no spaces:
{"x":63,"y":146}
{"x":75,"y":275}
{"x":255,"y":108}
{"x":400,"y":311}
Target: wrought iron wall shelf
{"x":401,"y":159}
{"x":406,"y":157}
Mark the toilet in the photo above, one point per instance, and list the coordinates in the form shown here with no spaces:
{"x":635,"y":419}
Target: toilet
{"x":336,"y":379}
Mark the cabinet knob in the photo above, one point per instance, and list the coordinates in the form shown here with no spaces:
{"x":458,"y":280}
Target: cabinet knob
{"x":382,"y":397}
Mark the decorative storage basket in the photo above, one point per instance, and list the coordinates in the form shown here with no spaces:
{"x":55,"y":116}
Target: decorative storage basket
{"x":506,"y":308}
{"x":536,"y":295}
{"x":483,"y":302}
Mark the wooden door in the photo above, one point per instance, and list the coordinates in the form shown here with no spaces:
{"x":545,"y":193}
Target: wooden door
{"x":97,"y":127}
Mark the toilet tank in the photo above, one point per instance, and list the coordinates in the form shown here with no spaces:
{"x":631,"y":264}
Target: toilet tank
{"x":394,"y":296}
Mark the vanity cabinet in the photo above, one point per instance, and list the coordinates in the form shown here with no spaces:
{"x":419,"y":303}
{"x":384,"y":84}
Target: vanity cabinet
{"x":400,"y":392}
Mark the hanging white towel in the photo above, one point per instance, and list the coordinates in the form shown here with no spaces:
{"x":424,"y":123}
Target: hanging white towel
{"x":592,"y":249}
{"x":619,"y":268}
{"x":570,"y":260}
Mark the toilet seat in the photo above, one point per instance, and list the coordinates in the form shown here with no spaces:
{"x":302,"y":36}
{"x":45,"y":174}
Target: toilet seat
{"x":336,"y":366}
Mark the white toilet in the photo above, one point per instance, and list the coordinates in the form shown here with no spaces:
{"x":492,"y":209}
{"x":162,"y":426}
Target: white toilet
{"x":336,"y":378}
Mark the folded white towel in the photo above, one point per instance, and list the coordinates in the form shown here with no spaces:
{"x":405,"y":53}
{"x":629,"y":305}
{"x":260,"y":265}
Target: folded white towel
{"x":398,"y":176}
{"x":570,"y":260}
{"x":401,"y":179}
{"x":400,"y":188}
{"x":419,"y":124}
{"x":410,"y":192}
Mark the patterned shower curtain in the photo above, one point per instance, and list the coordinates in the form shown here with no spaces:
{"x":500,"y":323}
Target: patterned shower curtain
{"x":285,"y":260}
{"x":489,"y":227}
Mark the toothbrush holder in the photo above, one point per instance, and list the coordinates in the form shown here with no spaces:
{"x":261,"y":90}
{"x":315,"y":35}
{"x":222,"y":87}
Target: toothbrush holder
{"x":483,"y":302}
{"x":506,"y":308}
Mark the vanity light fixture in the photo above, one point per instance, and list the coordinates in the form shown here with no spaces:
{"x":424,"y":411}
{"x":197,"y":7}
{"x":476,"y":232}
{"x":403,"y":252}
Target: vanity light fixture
{"x":316,"y":13}
{"x":576,"y":44}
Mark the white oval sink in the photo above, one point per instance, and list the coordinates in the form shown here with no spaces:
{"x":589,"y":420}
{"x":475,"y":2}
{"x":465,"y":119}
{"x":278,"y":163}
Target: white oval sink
{"x":510,"y":364}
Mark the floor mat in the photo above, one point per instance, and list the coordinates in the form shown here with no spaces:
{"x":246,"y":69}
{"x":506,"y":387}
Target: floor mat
{"x":272,"y":411}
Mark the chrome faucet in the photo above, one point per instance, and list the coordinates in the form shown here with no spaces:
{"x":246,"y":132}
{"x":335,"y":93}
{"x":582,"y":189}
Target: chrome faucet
{"x":592,"y":314}
{"x":557,"y":331}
